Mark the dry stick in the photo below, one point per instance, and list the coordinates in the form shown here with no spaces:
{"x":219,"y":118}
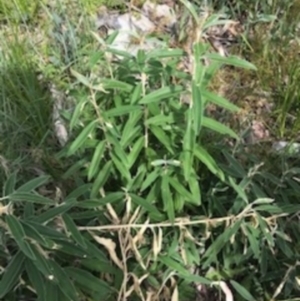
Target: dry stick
{"x":282,"y":284}
{"x":122,"y":294}
{"x":181,"y":223}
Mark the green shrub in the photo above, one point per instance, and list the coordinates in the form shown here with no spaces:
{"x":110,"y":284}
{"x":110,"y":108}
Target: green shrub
{"x":149,"y":205}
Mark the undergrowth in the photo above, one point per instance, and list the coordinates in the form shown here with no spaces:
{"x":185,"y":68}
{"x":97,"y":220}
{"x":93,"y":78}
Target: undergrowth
{"x":116,"y":189}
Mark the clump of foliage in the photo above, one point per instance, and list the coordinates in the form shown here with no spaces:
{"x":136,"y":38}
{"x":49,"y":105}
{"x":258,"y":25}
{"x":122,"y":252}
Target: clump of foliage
{"x":154,"y":199}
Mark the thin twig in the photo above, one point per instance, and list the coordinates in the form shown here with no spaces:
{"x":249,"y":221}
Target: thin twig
{"x":179,"y":223}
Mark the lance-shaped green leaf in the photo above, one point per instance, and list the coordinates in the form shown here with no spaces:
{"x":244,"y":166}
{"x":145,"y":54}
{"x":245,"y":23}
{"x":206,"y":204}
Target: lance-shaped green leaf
{"x":121,"y":167}
{"x":122,"y":110}
{"x":195,"y":189}
{"x":52,"y":291}
{"x":64,"y":282}
{"x":109,"y":83}
{"x":110,"y":198}
{"x":54,"y":212}
{"x":33,"y":234}
{"x":167,"y":198}
{"x":42,"y":263}
{"x":89,"y":282}
{"x":78,"y":110}
{"x":242,"y":291}
{"x":197,"y":107}
{"x":30,"y":197}
{"x":144,"y":203}
{"x":136,"y":94}
{"x":232,"y":60}
{"x":214,"y":20}
{"x":72,"y":228}
{"x":181,"y":270}
{"x":33,"y":184}
{"x":12,"y":273}
{"x":192,"y":10}
{"x":238,"y":189}
{"x":82,"y":137}
{"x":121,"y":53}
{"x":46,"y":231}
{"x":165,"y":53}
{"x":162,"y":137}
{"x":101,"y":178}
{"x":161,"y":94}
{"x":74,"y":168}
{"x":219,"y":101}
{"x":150,"y":179}
{"x":208,"y":160}
{"x":69,"y":248}
{"x":81,"y":78}
{"x":79,"y":191}
{"x":131,"y":128}
{"x":18,"y":234}
{"x":219,"y":127}
{"x":173,"y":264}
{"x":220,"y":242}
{"x":160,"y":120}
{"x":117,"y":149}
{"x":265,"y":229}
{"x":95,"y":164}
{"x":188,"y":148}
{"x":253,"y":239}
{"x":180,"y":189}
{"x":36,"y":279}
{"x":10,"y":184}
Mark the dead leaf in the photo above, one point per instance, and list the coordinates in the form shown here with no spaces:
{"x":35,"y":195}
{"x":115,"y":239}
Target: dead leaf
{"x":111,"y":248}
{"x":175,"y":295}
{"x":113,"y":214}
{"x":140,"y":235}
{"x":225,"y":289}
{"x":7,"y":209}
{"x":136,"y":286}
